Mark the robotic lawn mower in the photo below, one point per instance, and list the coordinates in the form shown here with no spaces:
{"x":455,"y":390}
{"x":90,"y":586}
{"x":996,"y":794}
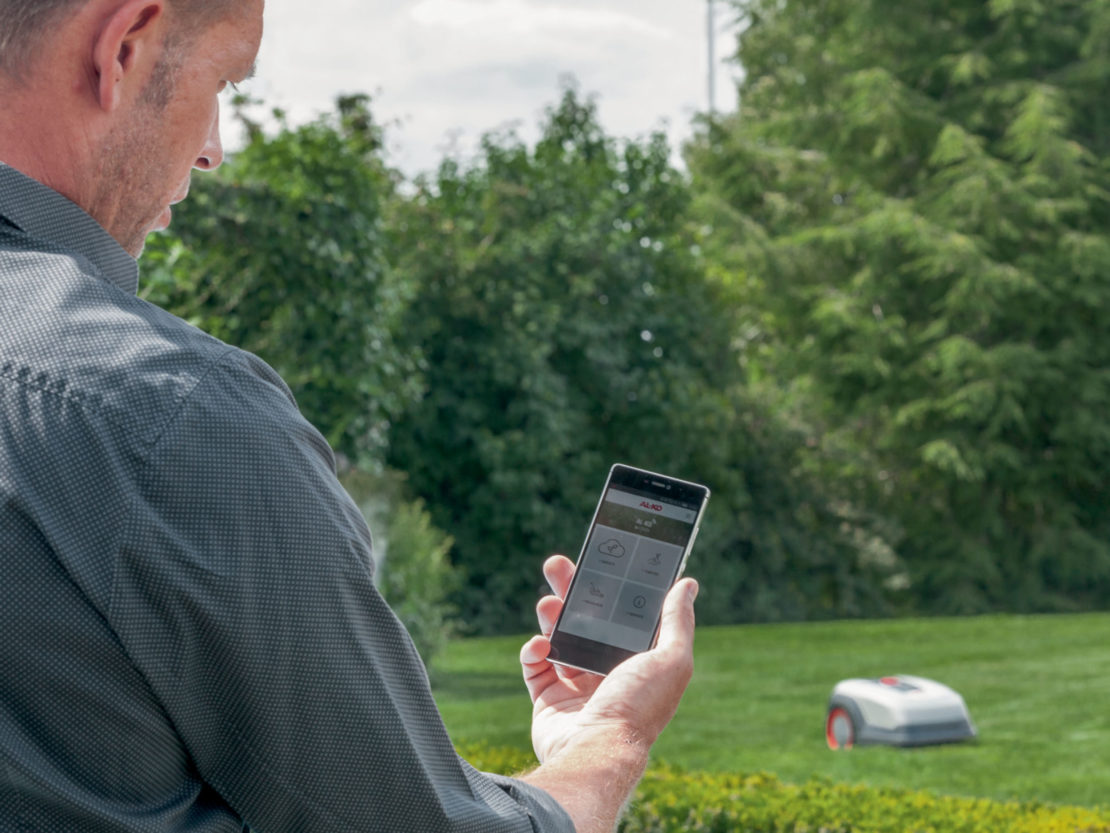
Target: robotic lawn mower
{"x":895,"y":711}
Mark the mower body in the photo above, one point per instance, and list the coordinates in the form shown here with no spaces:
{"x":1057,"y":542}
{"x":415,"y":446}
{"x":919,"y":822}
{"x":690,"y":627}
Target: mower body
{"x":895,"y":711}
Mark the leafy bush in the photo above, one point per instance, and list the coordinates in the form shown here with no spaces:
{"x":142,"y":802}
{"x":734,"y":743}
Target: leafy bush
{"x":418,"y":578}
{"x":671,"y":801}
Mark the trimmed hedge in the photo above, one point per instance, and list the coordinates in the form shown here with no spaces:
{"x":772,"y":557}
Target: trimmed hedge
{"x":672,"y":801}
{"x":669,"y":801}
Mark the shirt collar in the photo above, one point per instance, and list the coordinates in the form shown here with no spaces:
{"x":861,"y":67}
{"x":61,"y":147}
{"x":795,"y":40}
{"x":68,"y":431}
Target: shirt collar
{"x":44,"y":213}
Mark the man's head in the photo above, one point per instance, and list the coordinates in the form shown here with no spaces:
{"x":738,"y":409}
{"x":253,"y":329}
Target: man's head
{"x":113,"y":102}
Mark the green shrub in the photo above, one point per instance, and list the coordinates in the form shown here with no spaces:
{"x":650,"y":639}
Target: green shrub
{"x":418,"y":578}
{"x":671,"y":801}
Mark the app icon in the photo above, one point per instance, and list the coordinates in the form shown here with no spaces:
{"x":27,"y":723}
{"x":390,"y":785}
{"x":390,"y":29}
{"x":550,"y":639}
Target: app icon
{"x":612,"y":548}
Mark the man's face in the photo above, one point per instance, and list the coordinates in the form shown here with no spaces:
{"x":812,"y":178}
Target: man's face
{"x":173,"y":128}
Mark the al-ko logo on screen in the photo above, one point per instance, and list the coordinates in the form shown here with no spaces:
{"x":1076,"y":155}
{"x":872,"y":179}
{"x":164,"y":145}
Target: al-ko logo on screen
{"x":654,"y":507}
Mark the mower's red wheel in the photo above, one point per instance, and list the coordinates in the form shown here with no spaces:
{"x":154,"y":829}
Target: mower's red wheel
{"x":840,"y":731}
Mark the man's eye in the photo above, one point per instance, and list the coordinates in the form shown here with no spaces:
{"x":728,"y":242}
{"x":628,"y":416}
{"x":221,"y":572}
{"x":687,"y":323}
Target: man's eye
{"x":225,"y":84}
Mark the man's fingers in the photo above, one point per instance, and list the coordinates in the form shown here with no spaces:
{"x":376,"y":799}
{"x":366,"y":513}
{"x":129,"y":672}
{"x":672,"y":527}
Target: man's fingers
{"x":547,"y":612}
{"x":534,"y":651}
{"x":558,"y":570}
{"x":538,"y":672}
{"x":676,"y":628}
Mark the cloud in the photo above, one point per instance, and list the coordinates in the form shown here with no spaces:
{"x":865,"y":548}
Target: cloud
{"x":442,"y":72}
{"x":524,"y":17}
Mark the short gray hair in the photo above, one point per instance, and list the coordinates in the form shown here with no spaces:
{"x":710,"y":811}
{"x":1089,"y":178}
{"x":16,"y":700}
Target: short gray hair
{"x":23,"y":23}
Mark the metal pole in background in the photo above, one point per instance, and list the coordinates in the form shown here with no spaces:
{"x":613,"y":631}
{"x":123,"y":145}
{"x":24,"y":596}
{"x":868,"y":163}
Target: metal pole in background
{"x":712,"y":37}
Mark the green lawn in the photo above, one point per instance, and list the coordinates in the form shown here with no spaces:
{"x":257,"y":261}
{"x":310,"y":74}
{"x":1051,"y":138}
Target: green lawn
{"x":1038,"y":689}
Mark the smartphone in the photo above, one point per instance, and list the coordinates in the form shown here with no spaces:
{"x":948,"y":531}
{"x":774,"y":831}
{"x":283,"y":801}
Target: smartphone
{"x":636,"y":547}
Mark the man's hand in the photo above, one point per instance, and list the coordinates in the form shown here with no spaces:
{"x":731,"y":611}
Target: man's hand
{"x":636,"y":700}
{"x":592,"y":734}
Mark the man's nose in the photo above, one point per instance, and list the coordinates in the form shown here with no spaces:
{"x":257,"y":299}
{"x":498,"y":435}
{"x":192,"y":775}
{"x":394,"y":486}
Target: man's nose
{"x":212,"y":154}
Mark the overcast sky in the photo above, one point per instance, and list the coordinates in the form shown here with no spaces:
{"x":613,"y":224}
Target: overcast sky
{"x":449,"y":70}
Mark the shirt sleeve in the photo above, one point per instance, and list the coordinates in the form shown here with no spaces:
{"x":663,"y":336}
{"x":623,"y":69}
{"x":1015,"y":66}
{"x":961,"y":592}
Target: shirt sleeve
{"x":244,"y":592}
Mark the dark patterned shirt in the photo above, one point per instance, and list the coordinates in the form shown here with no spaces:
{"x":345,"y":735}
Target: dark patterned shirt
{"x":190,"y":637}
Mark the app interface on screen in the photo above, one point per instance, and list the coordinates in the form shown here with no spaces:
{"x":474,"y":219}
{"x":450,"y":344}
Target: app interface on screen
{"x":626,"y":569}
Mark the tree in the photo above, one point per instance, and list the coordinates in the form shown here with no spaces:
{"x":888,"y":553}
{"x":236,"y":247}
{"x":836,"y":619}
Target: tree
{"x":566,"y":324}
{"x":915,"y":200}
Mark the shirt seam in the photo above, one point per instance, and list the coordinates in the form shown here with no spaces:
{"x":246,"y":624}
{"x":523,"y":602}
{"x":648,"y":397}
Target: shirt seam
{"x":12,"y":373}
{"x":263,"y":765}
{"x":184,"y":397}
{"x":148,"y":451}
{"x":19,"y":798}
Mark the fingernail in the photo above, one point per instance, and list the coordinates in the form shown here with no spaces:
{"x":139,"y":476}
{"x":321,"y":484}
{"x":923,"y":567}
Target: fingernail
{"x":692,"y":589}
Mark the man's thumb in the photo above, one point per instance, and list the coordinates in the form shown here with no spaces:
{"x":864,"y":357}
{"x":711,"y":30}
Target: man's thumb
{"x":676,"y":628}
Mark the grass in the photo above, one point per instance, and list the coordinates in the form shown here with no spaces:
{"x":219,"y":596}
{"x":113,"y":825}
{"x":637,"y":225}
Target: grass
{"x":1038,"y":688}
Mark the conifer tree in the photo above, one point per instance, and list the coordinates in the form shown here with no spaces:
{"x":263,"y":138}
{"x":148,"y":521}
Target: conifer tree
{"x":914,"y":198}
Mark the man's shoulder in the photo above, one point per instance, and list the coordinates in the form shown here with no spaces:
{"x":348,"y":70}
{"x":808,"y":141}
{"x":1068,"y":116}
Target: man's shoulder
{"x":67,"y":334}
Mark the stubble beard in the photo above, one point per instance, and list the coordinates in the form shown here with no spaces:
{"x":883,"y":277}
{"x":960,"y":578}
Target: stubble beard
{"x":133,"y":172}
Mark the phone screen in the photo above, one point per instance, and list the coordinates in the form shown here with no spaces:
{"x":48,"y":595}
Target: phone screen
{"x":635,"y":549}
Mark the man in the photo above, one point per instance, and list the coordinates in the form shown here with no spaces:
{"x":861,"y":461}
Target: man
{"x":191,"y":636}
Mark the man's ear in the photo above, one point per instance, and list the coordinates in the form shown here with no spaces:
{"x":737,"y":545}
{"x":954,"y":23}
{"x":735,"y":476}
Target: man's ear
{"x":127,"y":48}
